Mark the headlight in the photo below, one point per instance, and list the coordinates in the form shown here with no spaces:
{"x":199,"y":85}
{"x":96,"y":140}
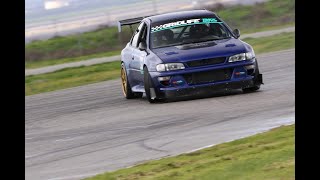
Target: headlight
{"x":237,"y":57}
{"x":250,"y":55}
{"x":169,"y":67}
{"x":242,"y":56}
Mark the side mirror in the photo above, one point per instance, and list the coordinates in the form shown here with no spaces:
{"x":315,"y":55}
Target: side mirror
{"x":142,"y":46}
{"x":236,"y":32}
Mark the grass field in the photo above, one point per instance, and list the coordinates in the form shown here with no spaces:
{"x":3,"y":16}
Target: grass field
{"x":251,"y":18}
{"x":272,"y":43}
{"x":38,"y":64}
{"x":73,"y":77}
{"x":44,"y":63}
{"x":269,"y":15}
{"x":269,"y":155}
{"x":99,"y":41}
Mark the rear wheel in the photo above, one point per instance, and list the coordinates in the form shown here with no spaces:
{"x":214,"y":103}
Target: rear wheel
{"x":148,"y":86}
{"x":126,"y":88}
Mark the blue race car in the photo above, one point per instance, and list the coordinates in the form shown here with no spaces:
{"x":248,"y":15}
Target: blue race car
{"x":184,"y":53}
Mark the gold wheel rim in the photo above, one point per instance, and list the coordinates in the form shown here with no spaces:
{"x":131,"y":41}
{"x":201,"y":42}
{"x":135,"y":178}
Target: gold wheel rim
{"x":124,"y":81}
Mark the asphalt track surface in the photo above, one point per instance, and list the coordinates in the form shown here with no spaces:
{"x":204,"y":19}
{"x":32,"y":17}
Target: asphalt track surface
{"x":82,"y":131}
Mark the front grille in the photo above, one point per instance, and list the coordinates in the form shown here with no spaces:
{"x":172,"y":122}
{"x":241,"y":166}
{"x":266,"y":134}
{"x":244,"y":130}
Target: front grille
{"x":206,"y":62}
{"x":208,"y":76}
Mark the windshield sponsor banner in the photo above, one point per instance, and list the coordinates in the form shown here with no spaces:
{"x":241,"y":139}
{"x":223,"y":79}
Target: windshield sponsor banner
{"x":176,"y":24}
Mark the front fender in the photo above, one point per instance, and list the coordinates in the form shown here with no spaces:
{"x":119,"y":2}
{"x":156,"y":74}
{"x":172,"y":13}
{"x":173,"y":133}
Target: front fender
{"x":151,"y":61}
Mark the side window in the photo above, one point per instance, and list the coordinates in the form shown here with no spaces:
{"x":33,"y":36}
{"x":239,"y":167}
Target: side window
{"x":218,"y":30}
{"x":135,"y":38}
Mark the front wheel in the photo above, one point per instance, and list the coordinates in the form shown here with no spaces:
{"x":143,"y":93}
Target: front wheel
{"x":251,"y":89}
{"x":148,"y":86}
{"x":256,"y":86}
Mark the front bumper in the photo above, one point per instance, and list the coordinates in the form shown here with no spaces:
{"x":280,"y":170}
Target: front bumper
{"x":236,"y":77}
{"x":204,"y":89}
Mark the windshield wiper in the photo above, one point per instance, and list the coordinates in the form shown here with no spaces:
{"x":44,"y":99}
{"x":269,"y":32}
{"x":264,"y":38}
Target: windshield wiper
{"x":191,"y":42}
{"x":168,"y":45}
{"x":199,"y":41}
{"x":223,"y":38}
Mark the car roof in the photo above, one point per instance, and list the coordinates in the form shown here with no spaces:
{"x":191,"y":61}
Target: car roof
{"x":180,"y":15}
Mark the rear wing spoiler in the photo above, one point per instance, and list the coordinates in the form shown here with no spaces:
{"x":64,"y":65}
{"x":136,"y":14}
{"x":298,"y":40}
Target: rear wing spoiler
{"x":129,"y":22}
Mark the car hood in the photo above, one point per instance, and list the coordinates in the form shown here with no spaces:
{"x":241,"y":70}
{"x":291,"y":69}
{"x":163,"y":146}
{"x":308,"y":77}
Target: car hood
{"x":203,"y":50}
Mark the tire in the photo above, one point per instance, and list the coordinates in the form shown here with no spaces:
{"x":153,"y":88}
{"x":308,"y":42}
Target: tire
{"x":148,"y":84}
{"x":126,"y":88}
{"x":251,"y":89}
{"x":138,"y":94}
{"x":256,"y":86}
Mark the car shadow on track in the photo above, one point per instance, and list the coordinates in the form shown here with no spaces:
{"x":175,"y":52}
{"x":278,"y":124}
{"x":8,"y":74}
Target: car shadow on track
{"x":220,"y":93}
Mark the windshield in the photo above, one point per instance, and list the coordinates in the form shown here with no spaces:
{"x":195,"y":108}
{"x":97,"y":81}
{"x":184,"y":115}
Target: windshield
{"x":187,"y":31}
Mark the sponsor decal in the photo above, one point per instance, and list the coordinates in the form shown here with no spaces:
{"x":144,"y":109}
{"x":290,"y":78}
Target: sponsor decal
{"x":176,"y":24}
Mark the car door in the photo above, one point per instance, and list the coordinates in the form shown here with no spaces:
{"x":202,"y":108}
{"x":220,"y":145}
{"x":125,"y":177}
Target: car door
{"x":138,"y":56}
